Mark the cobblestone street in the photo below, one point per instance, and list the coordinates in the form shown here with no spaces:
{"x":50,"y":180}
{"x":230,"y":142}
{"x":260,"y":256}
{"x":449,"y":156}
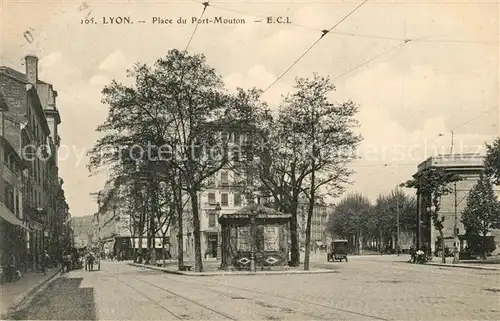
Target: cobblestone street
{"x":363,"y":289}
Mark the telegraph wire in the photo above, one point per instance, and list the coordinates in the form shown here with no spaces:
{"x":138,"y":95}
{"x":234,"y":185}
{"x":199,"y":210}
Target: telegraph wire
{"x":474,"y":118}
{"x":397,"y":48}
{"x":458,"y":41}
{"x":324,"y":32}
{"x":422,"y":145}
{"x":366,"y":36}
{"x":205,"y":5}
{"x":309,"y":28}
{"x":342,"y":20}
{"x":293,"y":64}
{"x":261,"y":17}
{"x":420,"y":39}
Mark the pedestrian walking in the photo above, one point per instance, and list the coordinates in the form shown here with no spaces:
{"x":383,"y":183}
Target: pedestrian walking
{"x":89,"y":260}
{"x":45,"y":261}
{"x":67,"y":261}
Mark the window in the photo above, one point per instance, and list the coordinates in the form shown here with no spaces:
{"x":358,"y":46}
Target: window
{"x":9,"y":197}
{"x":224,"y":177}
{"x":211,"y":219}
{"x":249,"y":155}
{"x":211,"y":198}
{"x":249,"y":179}
{"x":236,"y":179}
{"x":236,"y":154}
{"x":224,"y":200}
{"x":17,"y":198}
{"x":236,"y":138}
{"x":237,"y":199}
{"x":211,"y":181}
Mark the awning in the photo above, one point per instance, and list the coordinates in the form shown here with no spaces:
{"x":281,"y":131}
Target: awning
{"x":158,"y":243}
{"x":8,"y":216}
{"x":319,"y":243}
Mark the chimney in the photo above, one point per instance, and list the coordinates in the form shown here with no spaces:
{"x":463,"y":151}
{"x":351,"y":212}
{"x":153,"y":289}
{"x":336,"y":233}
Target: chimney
{"x":32,"y":69}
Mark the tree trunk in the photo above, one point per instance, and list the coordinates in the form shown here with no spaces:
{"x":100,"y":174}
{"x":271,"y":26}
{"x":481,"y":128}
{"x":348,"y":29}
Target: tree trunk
{"x":180,"y":240}
{"x":309,"y":218}
{"x":294,"y":250}
{"x":139,"y":250}
{"x":483,"y":245}
{"x":294,"y":239}
{"x":154,"y":214}
{"x":163,"y":237}
{"x":381,"y":241}
{"x":443,"y":252}
{"x":198,"y":259}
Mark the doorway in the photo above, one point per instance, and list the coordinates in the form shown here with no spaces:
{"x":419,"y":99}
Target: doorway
{"x":212,"y":246}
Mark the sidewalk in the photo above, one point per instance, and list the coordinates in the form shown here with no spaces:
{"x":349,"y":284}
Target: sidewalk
{"x":12,"y":294}
{"x":172,"y":270}
{"x":491,"y":264}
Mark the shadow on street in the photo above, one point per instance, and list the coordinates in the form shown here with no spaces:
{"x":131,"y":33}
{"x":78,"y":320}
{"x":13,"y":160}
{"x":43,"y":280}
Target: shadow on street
{"x":64,"y":299}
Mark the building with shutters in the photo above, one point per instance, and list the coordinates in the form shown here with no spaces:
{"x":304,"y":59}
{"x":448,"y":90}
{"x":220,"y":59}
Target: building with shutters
{"x":318,"y":224}
{"x":224,"y":193}
{"x":30,"y":126}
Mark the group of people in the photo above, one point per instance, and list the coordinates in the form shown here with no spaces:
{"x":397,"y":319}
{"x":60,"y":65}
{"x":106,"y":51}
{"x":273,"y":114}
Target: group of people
{"x":89,"y":261}
{"x":70,"y":260}
{"x":417,"y":256}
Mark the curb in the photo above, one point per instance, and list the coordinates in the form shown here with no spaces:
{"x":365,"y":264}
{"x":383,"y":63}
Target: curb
{"x":473,"y":267}
{"x":230,"y":273}
{"x":29,"y":295}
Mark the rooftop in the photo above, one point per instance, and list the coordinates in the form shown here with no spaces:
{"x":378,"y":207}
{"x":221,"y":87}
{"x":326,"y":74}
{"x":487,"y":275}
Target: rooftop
{"x":17,"y":75}
{"x":255,"y":210}
{"x":459,"y":161}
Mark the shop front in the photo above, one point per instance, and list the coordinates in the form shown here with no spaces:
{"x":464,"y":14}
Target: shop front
{"x":12,"y":245}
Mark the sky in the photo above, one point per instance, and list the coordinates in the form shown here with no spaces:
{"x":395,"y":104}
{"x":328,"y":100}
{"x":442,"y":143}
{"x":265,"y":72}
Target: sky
{"x":411,"y":95}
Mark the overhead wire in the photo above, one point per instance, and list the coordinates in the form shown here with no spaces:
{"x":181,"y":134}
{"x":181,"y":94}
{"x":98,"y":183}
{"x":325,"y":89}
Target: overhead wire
{"x":433,"y":138}
{"x":205,"y":5}
{"x":459,"y":41}
{"x":396,"y":47}
{"x":324,"y":32}
{"x":293,"y":24}
{"x":262,"y":17}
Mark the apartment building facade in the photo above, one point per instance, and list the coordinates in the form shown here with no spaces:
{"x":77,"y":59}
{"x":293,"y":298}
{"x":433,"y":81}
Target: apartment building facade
{"x":31,"y":128}
{"x":318,"y":224}
{"x":222,"y":193}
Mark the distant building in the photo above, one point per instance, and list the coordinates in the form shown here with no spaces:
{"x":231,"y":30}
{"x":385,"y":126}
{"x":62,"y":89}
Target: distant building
{"x":83,"y":231}
{"x":468,"y":167}
{"x":318,"y":224}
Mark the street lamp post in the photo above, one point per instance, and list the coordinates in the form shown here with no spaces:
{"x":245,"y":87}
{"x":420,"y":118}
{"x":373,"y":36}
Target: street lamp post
{"x":456,"y":241}
{"x":98,"y":231}
{"x":219,"y":232}
{"x":430,"y":210}
{"x":397,"y":220}
{"x":253,"y":245}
